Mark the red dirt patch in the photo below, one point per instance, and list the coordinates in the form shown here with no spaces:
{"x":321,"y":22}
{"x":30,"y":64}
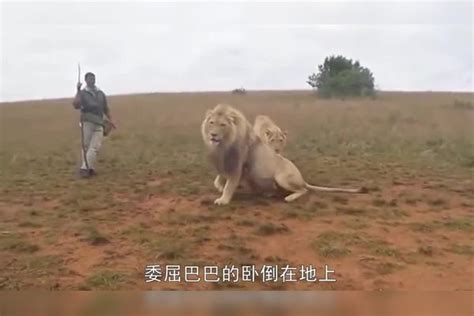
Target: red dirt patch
{"x":270,"y":234}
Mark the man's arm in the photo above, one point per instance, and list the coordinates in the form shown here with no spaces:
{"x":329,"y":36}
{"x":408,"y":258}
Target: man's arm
{"x":106,"y":108}
{"x":107,"y":111}
{"x":77,"y":99}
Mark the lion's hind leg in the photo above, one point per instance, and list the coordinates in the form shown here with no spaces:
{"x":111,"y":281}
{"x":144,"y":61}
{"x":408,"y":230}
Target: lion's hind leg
{"x":294,"y":196}
{"x":292,"y":183}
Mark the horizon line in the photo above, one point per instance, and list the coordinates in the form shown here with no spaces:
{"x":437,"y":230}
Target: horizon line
{"x":225,"y":91}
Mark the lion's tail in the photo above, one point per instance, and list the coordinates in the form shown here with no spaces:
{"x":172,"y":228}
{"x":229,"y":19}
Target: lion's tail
{"x":328,"y":189}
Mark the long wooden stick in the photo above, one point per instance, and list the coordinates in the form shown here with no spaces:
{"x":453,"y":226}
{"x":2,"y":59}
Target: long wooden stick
{"x":78,"y":72}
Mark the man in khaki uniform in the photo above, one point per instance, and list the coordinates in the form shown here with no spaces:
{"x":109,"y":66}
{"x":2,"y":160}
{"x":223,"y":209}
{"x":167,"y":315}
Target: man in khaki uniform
{"x":92,"y":103}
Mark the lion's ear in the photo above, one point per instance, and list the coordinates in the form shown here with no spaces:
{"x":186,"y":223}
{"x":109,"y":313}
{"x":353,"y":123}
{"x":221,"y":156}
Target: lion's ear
{"x":208,"y":112}
{"x":234,"y":118}
{"x":285,"y":132}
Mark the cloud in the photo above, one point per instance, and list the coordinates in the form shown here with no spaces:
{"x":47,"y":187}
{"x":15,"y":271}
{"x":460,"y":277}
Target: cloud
{"x":135,"y":47}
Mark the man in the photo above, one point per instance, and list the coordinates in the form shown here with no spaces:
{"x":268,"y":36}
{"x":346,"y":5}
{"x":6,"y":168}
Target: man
{"x":93,"y":105}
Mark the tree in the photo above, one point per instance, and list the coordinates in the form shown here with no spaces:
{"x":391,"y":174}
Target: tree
{"x":339,"y":76}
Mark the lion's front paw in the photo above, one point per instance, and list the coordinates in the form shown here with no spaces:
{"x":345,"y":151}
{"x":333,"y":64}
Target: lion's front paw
{"x":221,"y":201}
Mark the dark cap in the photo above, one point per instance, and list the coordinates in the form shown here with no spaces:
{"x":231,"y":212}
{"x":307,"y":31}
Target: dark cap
{"x":88,"y":75}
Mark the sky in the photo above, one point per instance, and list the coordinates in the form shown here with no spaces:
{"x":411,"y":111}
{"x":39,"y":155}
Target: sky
{"x":176,"y":46}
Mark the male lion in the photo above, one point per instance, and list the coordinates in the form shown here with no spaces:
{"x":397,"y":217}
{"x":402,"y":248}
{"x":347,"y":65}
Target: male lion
{"x":238,"y":154}
{"x":270,"y":133}
{"x":228,"y":136}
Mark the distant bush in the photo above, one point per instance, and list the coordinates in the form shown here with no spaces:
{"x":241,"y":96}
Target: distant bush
{"x":239,"y":91}
{"x":463,"y":105}
{"x":341,"y":77}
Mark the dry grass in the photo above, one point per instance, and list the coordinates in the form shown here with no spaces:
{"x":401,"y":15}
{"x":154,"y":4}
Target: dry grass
{"x":420,"y":141}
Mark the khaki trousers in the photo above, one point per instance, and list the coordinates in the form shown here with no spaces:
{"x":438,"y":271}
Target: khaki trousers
{"x":92,"y":136}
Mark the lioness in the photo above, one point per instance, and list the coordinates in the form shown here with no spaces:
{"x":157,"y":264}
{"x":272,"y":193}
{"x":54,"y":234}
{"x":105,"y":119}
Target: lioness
{"x":237,"y":153}
{"x":270,"y":133}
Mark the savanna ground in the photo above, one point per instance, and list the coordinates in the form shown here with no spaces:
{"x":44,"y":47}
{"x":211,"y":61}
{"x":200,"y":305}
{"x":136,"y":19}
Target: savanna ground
{"x":152,"y":200}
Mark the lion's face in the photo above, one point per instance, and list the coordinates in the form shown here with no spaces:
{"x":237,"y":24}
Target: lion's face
{"x":218,"y":129}
{"x":276,"y":140}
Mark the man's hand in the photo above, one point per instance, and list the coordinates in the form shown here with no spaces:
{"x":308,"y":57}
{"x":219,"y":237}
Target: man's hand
{"x":108,"y":126}
{"x":77,"y":99}
{"x":109,"y":120}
